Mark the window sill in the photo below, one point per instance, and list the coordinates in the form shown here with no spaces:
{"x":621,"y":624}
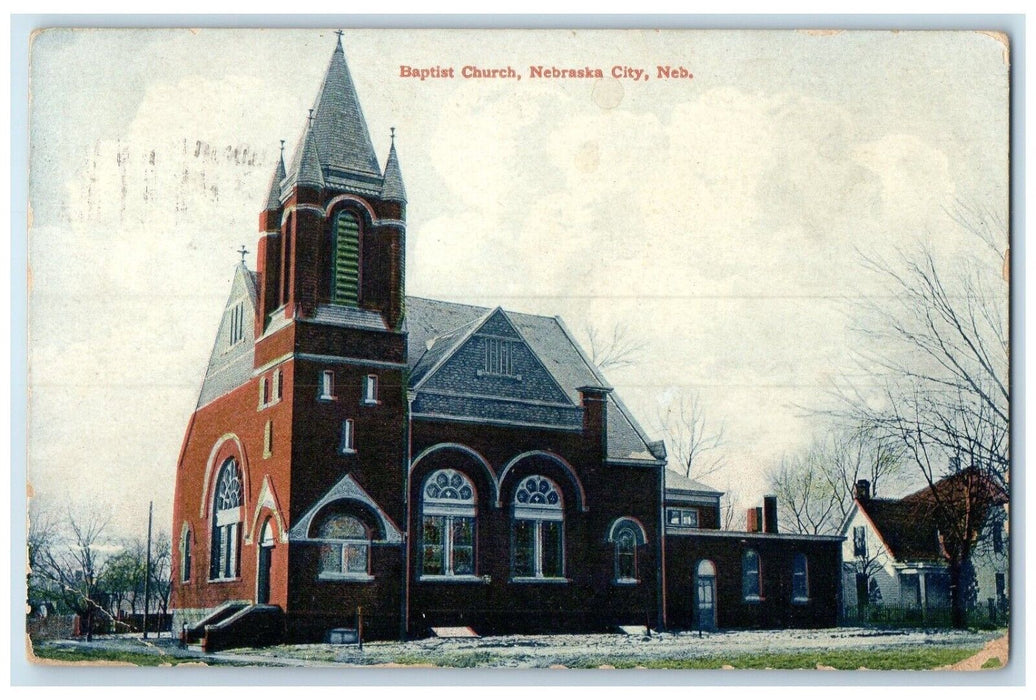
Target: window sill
{"x":369,"y":402}
{"x":225,"y":580}
{"x":539,"y":579}
{"x":326,"y":398}
{"x":626,"y":582}
{"x":800,"y":601}
{"x":347,"y":451}
{"x":352,"y":578}
{"x":753,"y":599}
{"x":447,"y":578}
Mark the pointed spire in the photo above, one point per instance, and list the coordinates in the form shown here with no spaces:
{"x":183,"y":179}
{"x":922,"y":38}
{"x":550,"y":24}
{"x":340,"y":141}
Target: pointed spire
{"x":393,"y":189}
{"x":273,"y":200}
{"x":305,"y":167}
{"x":338,"y":124}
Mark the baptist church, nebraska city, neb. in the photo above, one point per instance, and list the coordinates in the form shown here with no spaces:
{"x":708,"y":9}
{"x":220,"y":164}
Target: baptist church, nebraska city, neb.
{"x":358,"y":454}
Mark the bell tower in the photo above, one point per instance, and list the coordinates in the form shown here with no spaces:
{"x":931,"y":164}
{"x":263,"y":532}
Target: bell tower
{"x":332,"y":233}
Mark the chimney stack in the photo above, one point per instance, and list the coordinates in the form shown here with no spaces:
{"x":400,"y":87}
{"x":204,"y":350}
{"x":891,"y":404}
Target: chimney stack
{"x":770,"y":514}
{"x":863,"y":490}
{"x":750,"y":520}
{"x":595,"y":414}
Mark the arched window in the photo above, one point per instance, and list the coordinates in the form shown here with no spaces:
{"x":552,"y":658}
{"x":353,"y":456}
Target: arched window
{"x":626,"y":555}
{"x":345,"y":283}
{"x":800,"y":579}
{"x":225,"y":553}
{"x":345,"y":551}
{"x":751,"y":575}
{"x":447,"y":524}
{"x":626,"y":535}
{"x":185,"y":555}
{"x":538,"y":537}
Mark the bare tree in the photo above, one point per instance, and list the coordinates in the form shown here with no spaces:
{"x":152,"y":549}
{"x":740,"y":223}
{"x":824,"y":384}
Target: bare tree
{"x":807,"y":501}
{"x":693,"y":440}
{"x":938,"y":350}
{"x":73,"y":564}
{"x":614,"y":350}
{"x":39,"y":538}
{"x":161,"y":571}
{"x":732,"y":515}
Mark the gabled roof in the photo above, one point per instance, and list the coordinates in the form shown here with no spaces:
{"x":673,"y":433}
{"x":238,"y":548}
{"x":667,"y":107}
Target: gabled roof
{"x":437,"y":329}
{"x":230,"y":366}
{"x":909,"y":526}
{"x":907,"y":529}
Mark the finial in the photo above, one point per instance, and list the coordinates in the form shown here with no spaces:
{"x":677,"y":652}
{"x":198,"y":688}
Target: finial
{"x":392,"y":134}
{"x":311,"y":117}
{"x":282,"y":149}
{"x":339,"y":32}
{"x":243,"y":252}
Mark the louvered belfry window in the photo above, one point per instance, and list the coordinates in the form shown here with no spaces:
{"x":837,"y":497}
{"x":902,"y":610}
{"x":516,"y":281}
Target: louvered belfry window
{"x":346,"y":259}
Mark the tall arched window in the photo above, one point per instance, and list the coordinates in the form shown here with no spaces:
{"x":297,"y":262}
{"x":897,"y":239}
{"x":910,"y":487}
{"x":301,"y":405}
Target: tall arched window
{"x":225,"y":553}
{"x":185,"y":554}
{"x":626,"y":555}
{"x":800,"y":579}
{"x":345,"y":283}
{"x":751,"y":575}
{"x":538,"y":549}
{"x":345,"y":551}
{"x":447,"y":524}
{"x":626,"y":535}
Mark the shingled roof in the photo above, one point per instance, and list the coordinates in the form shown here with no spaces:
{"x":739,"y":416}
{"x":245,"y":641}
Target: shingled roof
{"x":907,"y":528}
{"x":437,"y":329}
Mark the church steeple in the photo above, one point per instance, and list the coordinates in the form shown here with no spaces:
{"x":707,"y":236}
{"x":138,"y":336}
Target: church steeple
{"x":335,"y":226}
{"x":338,"y":125}
{"x":393,"y":189}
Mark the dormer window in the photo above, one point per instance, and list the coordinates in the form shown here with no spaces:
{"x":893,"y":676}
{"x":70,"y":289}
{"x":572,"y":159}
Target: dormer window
{"x":682,"y":517}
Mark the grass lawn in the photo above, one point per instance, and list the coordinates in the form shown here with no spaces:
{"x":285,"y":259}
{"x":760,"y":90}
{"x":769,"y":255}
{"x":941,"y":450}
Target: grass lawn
{"x":882,"y":659}
{"x":913,"y":659}
{"x":95,"y":655}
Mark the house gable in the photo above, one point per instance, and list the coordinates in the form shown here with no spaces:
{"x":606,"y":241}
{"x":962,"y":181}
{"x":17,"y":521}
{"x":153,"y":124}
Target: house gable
{"x":232,"y":359}
{"x":491,"y":372}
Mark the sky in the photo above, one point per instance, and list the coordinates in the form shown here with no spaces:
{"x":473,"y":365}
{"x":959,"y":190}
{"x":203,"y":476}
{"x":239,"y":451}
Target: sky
{"x":720,"y":219}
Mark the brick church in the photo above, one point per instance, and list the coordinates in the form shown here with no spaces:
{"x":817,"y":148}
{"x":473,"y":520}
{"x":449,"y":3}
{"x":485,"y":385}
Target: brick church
{"x":359,"y":457}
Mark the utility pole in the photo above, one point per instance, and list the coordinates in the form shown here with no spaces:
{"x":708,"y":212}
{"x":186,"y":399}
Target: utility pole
{"x":147,"y":568}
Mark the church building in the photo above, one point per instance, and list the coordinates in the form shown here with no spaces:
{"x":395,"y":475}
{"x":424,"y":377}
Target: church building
{"x":359,"y":458}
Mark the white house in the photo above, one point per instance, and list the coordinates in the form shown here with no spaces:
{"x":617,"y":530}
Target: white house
{"x":893,"y":556}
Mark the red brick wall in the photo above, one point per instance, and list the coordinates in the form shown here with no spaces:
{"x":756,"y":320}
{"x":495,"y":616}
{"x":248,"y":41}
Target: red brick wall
{"x":590,"y":599}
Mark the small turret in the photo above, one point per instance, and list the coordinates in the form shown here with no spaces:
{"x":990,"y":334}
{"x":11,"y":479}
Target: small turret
{"x":273,"y":199}
{"x":392,"y":189}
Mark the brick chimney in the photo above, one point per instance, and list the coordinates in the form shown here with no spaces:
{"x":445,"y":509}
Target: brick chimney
{"x":595,"y":415}
{"x":751,"y":523}
{"x":770,"y":514}
{"x":863,"y":490}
